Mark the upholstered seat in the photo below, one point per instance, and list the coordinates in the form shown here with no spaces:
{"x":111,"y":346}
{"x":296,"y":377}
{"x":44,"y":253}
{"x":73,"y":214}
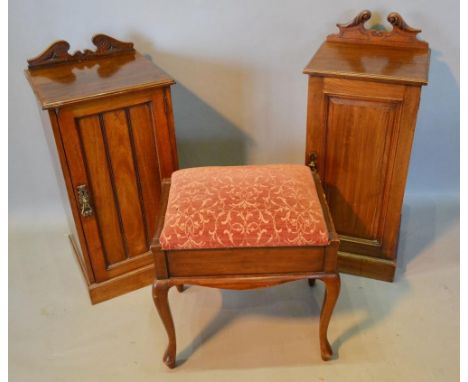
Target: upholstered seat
{"x":243,"y":206}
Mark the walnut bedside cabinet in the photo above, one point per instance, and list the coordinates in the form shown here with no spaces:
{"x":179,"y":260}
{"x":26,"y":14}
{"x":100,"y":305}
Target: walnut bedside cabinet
{"x":111,"y":116}
{"x":364,"y":89}
{"x":244,"y":227}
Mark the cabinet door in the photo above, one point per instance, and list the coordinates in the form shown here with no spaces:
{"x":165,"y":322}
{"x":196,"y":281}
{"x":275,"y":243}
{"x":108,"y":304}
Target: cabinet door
{"x":117,"y":151}
{"x":362,"y":133}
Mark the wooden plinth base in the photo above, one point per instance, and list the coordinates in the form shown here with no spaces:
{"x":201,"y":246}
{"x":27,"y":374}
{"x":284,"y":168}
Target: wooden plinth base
{"x":99,"y":292}
{"x":379,"y":269}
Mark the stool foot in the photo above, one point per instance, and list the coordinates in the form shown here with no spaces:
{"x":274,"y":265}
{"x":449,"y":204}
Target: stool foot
{"x":332,"y":284}
{"x":160,"y":290}
{"x":311,"y":282}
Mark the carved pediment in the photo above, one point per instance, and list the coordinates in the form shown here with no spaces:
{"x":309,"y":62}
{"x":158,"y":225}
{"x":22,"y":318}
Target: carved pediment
{"x":58,"y":53}
{"x":401,"y":35}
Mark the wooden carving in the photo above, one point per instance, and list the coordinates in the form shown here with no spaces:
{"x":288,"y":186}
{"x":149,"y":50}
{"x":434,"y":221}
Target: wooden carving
{"x":58,"y":53}
{"x":401,"y":35}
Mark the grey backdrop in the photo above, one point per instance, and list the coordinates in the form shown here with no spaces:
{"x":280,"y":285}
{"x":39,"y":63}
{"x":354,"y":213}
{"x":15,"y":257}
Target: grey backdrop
{"x":240,"y":95}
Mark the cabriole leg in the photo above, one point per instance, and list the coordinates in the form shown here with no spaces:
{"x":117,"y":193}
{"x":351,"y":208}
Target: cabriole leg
{"x":160,"y":291}
{"x":332,"y":290}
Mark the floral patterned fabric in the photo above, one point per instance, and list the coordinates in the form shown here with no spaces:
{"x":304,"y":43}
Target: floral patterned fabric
{"x":243,"y":206}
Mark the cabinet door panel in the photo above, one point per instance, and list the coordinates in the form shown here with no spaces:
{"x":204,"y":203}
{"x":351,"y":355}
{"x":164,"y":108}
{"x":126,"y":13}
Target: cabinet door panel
{"x":125,"y":181}
{"x":79,"y":174}
{"x":147,"y":164}
{"x":101,"y":188}
{"x":113,"y":151}
{"x":359,"y":135}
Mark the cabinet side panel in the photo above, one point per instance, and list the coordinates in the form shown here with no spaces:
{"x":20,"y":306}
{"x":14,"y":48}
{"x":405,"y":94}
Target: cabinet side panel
{"x":400,"y":171}
{"x":164,"y":133}
{"x":92,"y":142}
{"x":120,"y":145}
{"x":171,"y":127}
{"x":146,"y":162}
{"x":358,"y":142}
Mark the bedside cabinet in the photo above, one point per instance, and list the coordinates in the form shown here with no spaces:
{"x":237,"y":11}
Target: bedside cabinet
{"x":111,"y":115}
{"x":364,"y":90}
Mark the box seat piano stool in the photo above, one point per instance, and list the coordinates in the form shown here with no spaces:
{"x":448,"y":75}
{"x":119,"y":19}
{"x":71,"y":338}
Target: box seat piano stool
{"x":244,"y":227}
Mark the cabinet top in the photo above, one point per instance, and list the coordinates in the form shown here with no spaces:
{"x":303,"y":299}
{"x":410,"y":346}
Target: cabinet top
{"x":360,"y":53}
{"x":59,"y":78}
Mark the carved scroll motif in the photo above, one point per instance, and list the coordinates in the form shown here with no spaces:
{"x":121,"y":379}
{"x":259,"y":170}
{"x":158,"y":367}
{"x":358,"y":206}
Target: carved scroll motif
{"x":358,"y":21}
{"x":401,"y":35}
{"x":58,"y":53}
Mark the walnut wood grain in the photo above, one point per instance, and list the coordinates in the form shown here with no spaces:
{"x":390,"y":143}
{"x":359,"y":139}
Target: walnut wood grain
{"x":355,"y":191}
{"x":66,"y":189}
{"x":246,"y":281}
{"x":79,"y":176}
{"x":245,"y":260}
{"x":125,"y":185}
{"x":126,"y":282}
{"x":164,"y":133}
{"x":332,"y":290}
{"x":95,"y":153}
{"x":160,"y":291}
{"x":57,"y":53}
{"x":365,"y":265}
{"x":117,"y":126}
{"x":160,"y":259}
{"x":401,"y":35}
{"x":333,"y":237}
{"x":361,"y":114}
{"x":146,"y":163}
{"x":374,"y":55}
{"x":74,"y":83}
{"x":357,"y":131}
{"x":371,"y":63}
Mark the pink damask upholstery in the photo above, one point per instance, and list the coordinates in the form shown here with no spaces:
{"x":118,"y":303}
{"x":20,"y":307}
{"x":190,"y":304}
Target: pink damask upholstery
{"x":243,"y":206}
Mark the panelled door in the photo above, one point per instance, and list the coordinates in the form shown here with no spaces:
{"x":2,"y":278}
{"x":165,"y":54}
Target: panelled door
{"x":359,"y":132}
{"x":111,"y":152}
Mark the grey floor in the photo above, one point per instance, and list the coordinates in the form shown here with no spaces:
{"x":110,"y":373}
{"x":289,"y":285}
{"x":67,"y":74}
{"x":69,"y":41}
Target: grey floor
{"x":404,"y":331}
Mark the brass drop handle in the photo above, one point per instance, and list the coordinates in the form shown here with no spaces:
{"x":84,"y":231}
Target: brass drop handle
{"x":84,"y":199}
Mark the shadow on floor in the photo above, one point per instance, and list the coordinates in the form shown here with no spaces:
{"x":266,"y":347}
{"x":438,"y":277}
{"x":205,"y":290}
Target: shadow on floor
{"x":425,"y":218}
{"x":298,"y":306}
{"x":295,"y":301}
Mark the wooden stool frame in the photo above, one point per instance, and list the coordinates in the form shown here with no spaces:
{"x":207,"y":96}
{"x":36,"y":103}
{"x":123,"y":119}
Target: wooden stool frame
{"x":245,"y":268}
